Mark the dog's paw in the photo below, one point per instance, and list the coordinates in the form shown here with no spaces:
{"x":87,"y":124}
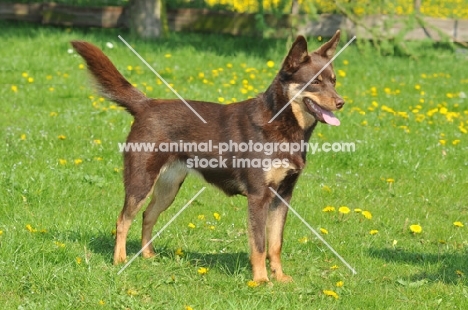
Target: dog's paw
{"x":261,"y":280}
{"x":148,"y":254}
{"x":120,"y":260}
{"x":283,"y":278}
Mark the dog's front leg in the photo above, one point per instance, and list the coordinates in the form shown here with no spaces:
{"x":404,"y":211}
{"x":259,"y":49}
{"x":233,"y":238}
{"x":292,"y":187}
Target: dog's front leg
{"x":258,"y":212}
{"x":275,"y":226}
{"x":276,"y":220}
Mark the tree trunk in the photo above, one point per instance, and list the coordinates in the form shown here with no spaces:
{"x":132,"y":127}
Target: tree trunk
{"x":147,"y":18}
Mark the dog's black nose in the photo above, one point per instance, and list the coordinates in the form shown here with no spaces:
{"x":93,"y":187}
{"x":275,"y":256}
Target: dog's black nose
{"x":339,"y":103}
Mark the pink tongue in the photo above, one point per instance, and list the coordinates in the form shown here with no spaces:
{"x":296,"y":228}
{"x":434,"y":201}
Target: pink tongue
{"x":329,"y":117}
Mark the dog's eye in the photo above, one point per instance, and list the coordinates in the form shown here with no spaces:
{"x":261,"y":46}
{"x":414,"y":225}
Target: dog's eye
{"x":315,"y":82}
{"x":333,"y":81}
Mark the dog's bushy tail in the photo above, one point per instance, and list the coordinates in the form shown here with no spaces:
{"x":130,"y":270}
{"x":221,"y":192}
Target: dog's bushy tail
{"x":109,"y":82}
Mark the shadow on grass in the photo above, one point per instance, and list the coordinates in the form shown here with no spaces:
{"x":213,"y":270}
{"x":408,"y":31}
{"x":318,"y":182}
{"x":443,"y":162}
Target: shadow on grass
{"x":453,"y":267}
{"x":229,"y":263}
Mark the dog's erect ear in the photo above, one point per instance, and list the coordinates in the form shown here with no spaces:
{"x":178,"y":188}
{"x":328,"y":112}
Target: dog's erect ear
{"x":328,"y":49}
{"x":296,"y":56}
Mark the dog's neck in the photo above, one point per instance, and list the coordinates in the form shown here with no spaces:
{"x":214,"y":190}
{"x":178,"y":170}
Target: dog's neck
{"x":275,"y":99}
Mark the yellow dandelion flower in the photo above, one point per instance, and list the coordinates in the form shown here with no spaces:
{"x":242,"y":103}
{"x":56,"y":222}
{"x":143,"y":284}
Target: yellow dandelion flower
{"x":212,"y":227}
{"x":458,"y":224}
{"x":97,"y":141}
{"x":303,"y":240}
{"x":101,"y":302}
{"x":252,"y":284}
{"x":30,"y":79}
{"x":59,"y":244}
{"x":229,"y":65}
{"x":191,"y":225}
{"x":217,"y":216}
{"x":81,"y":66}
{"x":415,"y":229}
{"x":390,"y":180}
{"x":61,"y":137}
{"x":345,"y":62}
{"x":334,"y":267}
{"x":168,"y":55}
{"x":330,"y":293}
{"x":179,"y":252}
{"x":129,"y":68}
{"x":374,"y":232}
{"x":324,"y":231}
{"x":23,"y":137}
{"x":30,"y":228}
{"x":62,"y":162}
{"x":417,"y":87}
{"x":78,"y":260}
{"x":132,"y":292}
{"x":270,"y":63}
{"x":339,"y":284}
{"x":188,"y":308}
{"x":24,"y":74}
{"x":202,"y":270}
{"x":78,"y":161}
{"x":1,"y":232}
{"x":442,"y":142}
{"x":455,"y":142}
{"x":341,"y":73}
{"x":201,"y":75}
{"x":328,"y":209}
{"x":357,"y":210}
{"x":326,"y":188}
{"x":367,"y":214}
{"x":14,"y":88}
{"x":344,"y":210}
{"x":221,"y":99}
{"x":201,"y":217}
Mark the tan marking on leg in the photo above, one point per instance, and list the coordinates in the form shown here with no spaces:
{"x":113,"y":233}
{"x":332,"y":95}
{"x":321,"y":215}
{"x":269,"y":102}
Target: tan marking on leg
{"x":275,"y":226}
{"x":165,"y":190}
{"x":258,"y":261}
{"x":124,"y":221}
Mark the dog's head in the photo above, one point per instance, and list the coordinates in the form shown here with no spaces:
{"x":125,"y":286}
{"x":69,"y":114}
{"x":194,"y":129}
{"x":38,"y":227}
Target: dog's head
{"x":317,"y":100}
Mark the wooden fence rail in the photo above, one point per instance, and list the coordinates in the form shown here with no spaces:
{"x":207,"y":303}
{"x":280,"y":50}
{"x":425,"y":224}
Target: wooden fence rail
{"x":225,"y":22}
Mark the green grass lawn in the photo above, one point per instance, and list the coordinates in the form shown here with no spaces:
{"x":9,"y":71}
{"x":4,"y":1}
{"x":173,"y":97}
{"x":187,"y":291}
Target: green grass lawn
{"x":61,"y":188}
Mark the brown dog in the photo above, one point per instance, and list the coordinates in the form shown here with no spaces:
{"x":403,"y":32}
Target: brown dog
{"x":161,"y":121}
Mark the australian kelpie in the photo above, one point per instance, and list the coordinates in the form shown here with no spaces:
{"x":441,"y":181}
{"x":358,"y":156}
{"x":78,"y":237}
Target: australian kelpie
{"x":161,"y":121}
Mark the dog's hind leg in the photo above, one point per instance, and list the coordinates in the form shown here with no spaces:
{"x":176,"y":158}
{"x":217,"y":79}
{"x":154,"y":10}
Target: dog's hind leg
{"x":138,"y":184}
{"x":167,"y":185}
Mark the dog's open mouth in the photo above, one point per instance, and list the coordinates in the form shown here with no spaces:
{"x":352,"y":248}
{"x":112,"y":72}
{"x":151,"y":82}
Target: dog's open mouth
{"x":321,"y":114}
